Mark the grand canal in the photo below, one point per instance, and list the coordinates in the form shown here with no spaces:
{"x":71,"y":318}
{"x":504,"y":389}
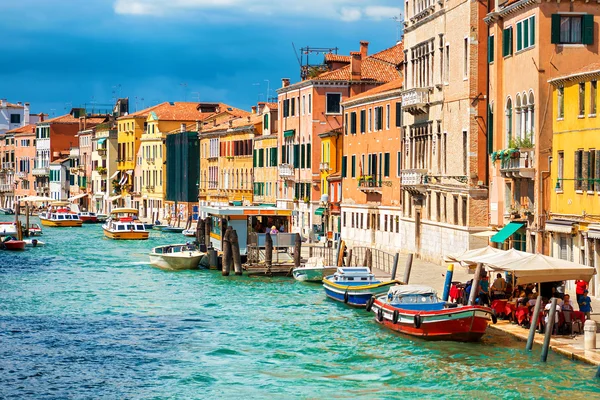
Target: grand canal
{"x":88,"y":317}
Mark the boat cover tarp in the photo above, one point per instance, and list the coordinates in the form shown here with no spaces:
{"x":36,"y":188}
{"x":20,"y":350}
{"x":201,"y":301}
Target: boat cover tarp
{"x":403,"y":290}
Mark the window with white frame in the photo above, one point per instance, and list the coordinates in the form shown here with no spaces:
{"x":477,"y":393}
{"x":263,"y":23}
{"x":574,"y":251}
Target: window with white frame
{"x":526,"y":33}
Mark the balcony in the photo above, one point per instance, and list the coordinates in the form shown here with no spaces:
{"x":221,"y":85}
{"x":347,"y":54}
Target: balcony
{"x":22,"y":175}
{"x":371,"y":185}
{"x":101,"y":152}
{"x":149,"y":188}
{"x":518,"y":163}
{"x":286,"y":171}
{"x":324,"y":166}
{"x":150,"y":160}
{"x":41,"y":171}
{"x":414,"y":180}
{"x":6,"y":188}
{"x":42,"y":191}
{"x":416,"y":100}
{"x":8,"y":166}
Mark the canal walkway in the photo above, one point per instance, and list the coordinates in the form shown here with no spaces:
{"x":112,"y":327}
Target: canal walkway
{"x":433,"y":275}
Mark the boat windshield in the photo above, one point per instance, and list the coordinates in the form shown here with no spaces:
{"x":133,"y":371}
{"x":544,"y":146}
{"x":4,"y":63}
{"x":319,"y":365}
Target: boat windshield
{"x":430,"y":298}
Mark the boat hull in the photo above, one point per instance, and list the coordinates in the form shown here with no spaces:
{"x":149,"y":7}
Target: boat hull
{"x":356,"y":296}
{"x":461,"y":324}
{"x":181,"y":261}
{"x":89,"y":220}
{"x":61,"y":224}
{"x":125,"y":235}
{"x":14,"y":245}
{"x":172,"y":229}
{"x":312,"y":274}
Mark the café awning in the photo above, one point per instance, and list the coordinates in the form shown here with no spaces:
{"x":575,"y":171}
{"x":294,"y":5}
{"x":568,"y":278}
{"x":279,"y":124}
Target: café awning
{"x":506,"y":232}
{"x":289,"y":133}
{"x":79,"y":196}
{"x":559,"y":226}
{"x":540,"y":268}
{"x":116,"y":197}
{"x":319,"y":211}
{"x":101,"y":140}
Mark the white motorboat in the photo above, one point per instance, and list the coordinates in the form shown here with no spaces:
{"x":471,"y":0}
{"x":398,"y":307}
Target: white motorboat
{"x":175,"y":257}
{"x":313,"y":270}
{"x":189,"y":233}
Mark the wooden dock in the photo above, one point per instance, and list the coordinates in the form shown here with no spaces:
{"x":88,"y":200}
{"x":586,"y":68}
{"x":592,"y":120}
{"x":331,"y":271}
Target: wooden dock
{"x":262,"y":269}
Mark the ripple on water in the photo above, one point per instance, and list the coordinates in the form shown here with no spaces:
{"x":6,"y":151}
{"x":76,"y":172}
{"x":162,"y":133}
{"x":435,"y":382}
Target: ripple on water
{"x":86,"y":317}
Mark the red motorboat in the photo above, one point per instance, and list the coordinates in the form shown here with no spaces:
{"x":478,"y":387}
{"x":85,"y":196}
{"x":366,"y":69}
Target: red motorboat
{"x":417,"y":311}
{"x":88,"y":217}
{"x":11,"y":243}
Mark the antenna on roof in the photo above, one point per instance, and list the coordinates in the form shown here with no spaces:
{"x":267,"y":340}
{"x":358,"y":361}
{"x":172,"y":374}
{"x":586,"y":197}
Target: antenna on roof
{"x":399,"y":25}
{"x":307,"y":69}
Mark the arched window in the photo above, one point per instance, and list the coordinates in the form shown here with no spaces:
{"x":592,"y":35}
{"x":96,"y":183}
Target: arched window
{"x":509,"y":116}
{"x":525,"y":120}
{"x":532,"y":117}
{"x":519,"y":117}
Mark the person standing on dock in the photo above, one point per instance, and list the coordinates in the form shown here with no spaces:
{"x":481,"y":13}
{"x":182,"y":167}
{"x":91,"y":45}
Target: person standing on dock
{"x":585,"y":304}
{"x":580,"y":287}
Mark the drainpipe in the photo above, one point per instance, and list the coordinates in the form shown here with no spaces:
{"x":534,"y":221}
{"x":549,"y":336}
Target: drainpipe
{"x":541,"y":189}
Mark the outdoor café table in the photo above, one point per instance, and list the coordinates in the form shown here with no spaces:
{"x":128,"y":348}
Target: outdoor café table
{"x":509,"y":309}
{"x":499,"y":306}
{"x":521,"y":314}
{"x":575,"y":315}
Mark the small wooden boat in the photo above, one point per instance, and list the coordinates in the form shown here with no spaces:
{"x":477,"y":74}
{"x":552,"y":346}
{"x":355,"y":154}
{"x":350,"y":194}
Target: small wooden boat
{"x":124,"y":225}
{"x":172,"y":229}
{"x":35,"y":230}
{"x":60,"y":217}
{"x":313,"y":270}
{"x":189,"y":233}
{"x":88,"y":217}
{"x":11,"y":243}
{"x":175,"y":257}
{"x":6,"y":211}
{"x":355,"y":285}
{"x":8,"y":228}
{"x":417,"y":311}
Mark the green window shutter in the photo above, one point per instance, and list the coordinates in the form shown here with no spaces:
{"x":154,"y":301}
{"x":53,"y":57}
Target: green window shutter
{"x":344,"y":161}
{"x":353,"y":123}
{"x":520,"y":36}
{"x":380,"y":118}
{"x":507,"y":42}
{"x":254,"y":159}
{"x":363,"y":121}
{"x":261,"y":158}
{"x":490,"y":135}
{"x":353,"y":170}
{"x":526,"y":33}
{"x":274,"y":156}
{"x":398,"y":114}
{"x":532,"y":30}
{"x":283,"y":161}
{"x":296,"y":156}
{"x":587,"y":29}
{"x":266,"y":121}
{"x":308,"y":156}
{"x":302,"y":156}
{"x":490,"y":49}
{"x":386,"y":164}
{"x":555,"y":29}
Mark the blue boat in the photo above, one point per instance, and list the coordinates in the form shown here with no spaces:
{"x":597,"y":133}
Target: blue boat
{"x":355,"y":285}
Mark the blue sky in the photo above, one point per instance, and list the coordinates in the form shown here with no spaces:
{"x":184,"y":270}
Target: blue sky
{"x":62,"y":53}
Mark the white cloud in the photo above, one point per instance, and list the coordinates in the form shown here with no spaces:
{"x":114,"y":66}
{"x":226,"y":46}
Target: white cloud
{"x":345,"y":10}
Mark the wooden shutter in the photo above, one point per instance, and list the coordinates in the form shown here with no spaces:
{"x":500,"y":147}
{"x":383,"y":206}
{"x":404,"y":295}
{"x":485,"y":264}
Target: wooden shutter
{"x":261,"y":158}
{"x":526,"y":33}
{"x":296,"y":156}
{"x":587,"y":26}
{"x":519,"y":36}
{"x":555,"y":29}
{"x":532,"y":30}
{"x":597,"y":174}
{"x":353,"y":170}
{"x":490,"y":135}
{"x":380,"y":119}
{"x":283,"y":154}
{"x":344,"y":162}
{"x":386,"y":165}
{"x":254,"y":159}
{"x":398,"y":114}
{"x":490,"y":49}
{"x":576,"y":171}
{"x":353,"y":122}
{"x":308,"y":156}
{"x":302,"y":156}
{"x":363,"y":121}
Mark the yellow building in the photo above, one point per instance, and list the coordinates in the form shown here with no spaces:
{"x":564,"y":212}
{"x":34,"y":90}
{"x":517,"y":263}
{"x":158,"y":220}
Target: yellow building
{"x":574,"y":225}
{"x":226,"y":161}
{"x":265,"y":186}
{"x":331,"y":155}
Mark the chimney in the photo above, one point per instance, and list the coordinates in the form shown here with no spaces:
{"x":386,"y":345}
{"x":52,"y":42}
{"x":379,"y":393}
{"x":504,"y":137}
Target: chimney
{"x":230,"y":123}
{"x":356,"y":64}
{"x":253,"y":110}
{"x":3,"y":103}
{"x":42,"y":116}
{"x":364,"y":48}
{"x":182,"y":128}
{"x":248,"y":118}
{"x":285,"y":82}
{"x":198,"y":126}
{"x":214,"y":122}
{"x":26,"y":114}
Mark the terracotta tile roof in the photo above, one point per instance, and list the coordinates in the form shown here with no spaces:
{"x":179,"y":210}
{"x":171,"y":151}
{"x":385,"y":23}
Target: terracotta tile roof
{"x":13,"y":105}
{"x":60,"y":160}
{"x":272,"y":106}
{"x":24,"y":129}
{"x":235,"y":123}
{"x":69,"y":119}
{"x":386,"y":87}
{"x":330,"y":57}
{"x":379,"y":67}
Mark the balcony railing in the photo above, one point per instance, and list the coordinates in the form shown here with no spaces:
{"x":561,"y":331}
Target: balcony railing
{"x":149,"y":188}
{"x":324,"y":166}
{"x":519,"y":164}
{"x":8,"y":165}
{"x":101,"y":152}
{"x":6,"y":188}
{"x":150,"y":160}
{"x":22,"y":175}
{"x":286,"y":171}
{"x":415,"y":100}
{"x":41,"y":171}
{"x":414,"y":180}
{"x":372,"y":185}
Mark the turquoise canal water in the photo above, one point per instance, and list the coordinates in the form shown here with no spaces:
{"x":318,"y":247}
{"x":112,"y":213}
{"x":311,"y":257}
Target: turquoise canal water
{"x":88,"y":317}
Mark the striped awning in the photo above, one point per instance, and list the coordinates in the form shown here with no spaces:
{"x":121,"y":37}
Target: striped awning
{"x":559,"y":226}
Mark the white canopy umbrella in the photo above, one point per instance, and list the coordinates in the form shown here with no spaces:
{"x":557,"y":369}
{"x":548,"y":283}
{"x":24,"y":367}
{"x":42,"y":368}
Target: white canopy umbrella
{"x":540,"y":268}
{"x":36,"y":199}
{"x":79,"y":196}
{"x":500,"y":260}
{"x":463,"y":257}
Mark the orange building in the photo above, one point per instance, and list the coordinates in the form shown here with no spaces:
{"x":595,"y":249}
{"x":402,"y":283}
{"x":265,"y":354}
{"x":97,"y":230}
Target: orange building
{"x":370,"y":167}
{"x":312,"y":107}
{"x":529,"y":44}
{"x":24,"y":160}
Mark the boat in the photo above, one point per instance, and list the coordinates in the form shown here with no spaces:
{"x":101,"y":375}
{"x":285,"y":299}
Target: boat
{"x":8,"y":228}
{"x":355,"y":285}
{"x":35,"y":230}
{"x":189,"y":233}
{"x":12,"y":243}
{"x":313,"y":270}
{"x":34,"y":243}
{"x":417,"y":311}
{"x":148,"y":225}
{"x":88,"y":217}
{"x":124,"y":225}
{"x":101,"y":217}
{"x":7,"y":211}
{"x":159,"y":227}
{"x":175,"y":257}
{"x":60,"y":216}
{"x":172,"y":229}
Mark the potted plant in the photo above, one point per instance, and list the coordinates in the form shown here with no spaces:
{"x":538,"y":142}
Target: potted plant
{"x":295,"y":200}
{"x":306,"y":200}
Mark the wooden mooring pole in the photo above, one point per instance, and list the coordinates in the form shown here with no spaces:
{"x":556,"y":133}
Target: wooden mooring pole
{"x":349,"y":257}
{"x":395,"y":266}
{"x":297,"y":250}
{"x":340,"y":254}
{"x":207,"y":223}
{"x":227,"y":253}
{"x":200,"y":232}
{"x":235,"y":248}
{"x":407,"y":268}
{"x":549,"y":329}
{"x":475,"y":285}
{"x":27,"y":219}
{"x":534,"y":323}
{"x":268,"y":251}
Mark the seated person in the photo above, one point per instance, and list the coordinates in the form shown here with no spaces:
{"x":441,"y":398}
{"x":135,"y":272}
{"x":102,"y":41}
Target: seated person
{"x":499,"y":287}
{"x":567,"y":304}
{"x":531,"y":300}
{"x":546,"y":316}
